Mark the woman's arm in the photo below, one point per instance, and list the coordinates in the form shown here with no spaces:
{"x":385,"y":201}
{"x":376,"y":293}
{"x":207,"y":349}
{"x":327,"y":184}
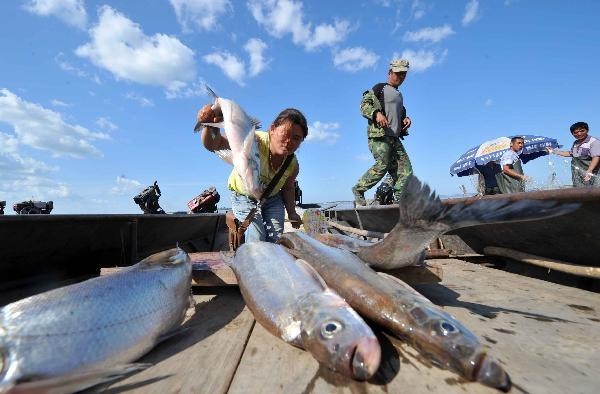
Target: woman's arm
{"x":210,"y":136}
{"x":288,"y":192}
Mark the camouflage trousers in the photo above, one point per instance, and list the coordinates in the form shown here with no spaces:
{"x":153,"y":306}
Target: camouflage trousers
{"x":390,"y":157}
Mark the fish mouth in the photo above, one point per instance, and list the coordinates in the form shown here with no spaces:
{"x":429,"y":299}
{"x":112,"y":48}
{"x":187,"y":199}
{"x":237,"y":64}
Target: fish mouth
{"x":365,"y":359}
{"x":491,"y":374}
{"x":198,"y":126}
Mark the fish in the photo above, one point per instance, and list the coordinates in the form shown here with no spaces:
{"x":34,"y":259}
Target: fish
{"x":240,"y":132}
{"x":401,"y":310}
{"x":289,"y":299}
{"x":423,"y":217}
{"x":74,"y":337}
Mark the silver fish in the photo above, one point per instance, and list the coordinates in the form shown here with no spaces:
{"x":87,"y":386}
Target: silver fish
{"x":80,"y":335}
{"x":423,"y":217}
{"x":293,"y":303}
{"x":396,"y":306}
{"x":239,"y":129}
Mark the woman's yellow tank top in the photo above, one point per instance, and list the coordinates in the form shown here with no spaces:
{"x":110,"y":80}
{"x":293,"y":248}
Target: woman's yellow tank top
{"x":235,"y":182}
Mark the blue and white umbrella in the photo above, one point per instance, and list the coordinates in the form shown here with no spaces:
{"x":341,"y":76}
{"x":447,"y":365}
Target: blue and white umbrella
{"x":493,"y":150}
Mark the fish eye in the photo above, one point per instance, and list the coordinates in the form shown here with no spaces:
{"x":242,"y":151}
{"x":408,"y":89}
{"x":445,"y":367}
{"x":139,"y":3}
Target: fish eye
{"x":330,"y":328}
{"x":447,"y":328}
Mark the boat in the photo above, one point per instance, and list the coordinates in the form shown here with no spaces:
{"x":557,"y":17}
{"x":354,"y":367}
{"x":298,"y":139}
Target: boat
{"x":573,"y":238}
{"x":40,"y":252}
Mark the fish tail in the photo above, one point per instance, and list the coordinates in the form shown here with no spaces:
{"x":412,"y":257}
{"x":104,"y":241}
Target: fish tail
{"x":209,"y":91}
{"x":418,"y":203}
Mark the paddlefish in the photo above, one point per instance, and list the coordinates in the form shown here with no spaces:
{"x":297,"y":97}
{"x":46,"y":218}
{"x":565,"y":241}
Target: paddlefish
{"x":405,"y":313}
{"x":289,"y":299}
{"x":74,"y":337}
{"x":423,"y":217}
{"x":239,"y":129}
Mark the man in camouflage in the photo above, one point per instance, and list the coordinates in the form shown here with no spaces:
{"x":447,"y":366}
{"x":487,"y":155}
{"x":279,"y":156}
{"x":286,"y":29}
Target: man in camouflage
{"x":383,"y":106}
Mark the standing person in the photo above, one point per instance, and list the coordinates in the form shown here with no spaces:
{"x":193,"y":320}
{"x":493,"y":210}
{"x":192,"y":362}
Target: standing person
{"x":585,"y":154}
{"x":383,"y":106}
{"x":283,"y":138}
{"x":512,"y":179}
{"x":488,"y":178}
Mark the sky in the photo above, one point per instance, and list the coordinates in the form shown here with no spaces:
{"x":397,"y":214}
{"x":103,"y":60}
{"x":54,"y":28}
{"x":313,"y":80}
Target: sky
{"x":98,"y":99}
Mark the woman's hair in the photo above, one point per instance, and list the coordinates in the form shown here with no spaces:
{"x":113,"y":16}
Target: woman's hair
{"x":294,"y":116}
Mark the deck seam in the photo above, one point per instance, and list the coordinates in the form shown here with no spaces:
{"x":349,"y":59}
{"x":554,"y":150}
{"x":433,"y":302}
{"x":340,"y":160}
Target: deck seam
{"x":241,"y":355}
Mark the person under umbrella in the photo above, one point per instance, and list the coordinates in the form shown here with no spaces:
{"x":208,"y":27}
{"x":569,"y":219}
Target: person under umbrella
{"x":585,"y":156}
{"x":512,"y":179}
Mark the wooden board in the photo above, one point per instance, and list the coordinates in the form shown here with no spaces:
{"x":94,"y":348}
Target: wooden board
{"x":203,"y":359}
{"x":544,"y":334}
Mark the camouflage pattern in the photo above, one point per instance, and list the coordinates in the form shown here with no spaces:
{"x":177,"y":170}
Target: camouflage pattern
{"x":368,"y":106}
{"x":390,"y":157}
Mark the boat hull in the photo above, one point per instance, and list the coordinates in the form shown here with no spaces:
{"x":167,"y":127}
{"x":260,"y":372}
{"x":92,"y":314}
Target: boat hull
{"x":574,"y":237}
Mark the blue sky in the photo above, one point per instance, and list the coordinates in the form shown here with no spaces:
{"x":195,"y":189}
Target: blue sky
{"x":98,"y":98}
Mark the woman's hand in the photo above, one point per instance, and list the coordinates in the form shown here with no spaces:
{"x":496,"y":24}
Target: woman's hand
{"x":295,"y":219}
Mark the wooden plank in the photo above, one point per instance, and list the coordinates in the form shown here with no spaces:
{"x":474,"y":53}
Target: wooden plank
{"x":557,"y":265}
{"x":203,"y":358}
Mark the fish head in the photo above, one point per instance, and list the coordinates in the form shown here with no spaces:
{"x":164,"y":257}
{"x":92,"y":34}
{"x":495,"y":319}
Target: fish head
{"x":450,"y":345}
{"x":338,"y":337}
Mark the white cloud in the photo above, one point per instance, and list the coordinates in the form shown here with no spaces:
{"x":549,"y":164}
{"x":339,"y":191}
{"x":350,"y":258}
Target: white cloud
{"x":71,"y":12}
{"x":142,"y":101}
{"x":281,"y":17}
{"x":231,"y":66}
{"x":364,"y":157}
{"x":106,"y":124}
{"x":354,"y":59}
{"x":255,"y":49}
{"x":58,"y":103}
{"x":489,"y":102}
{"x":471,"y":10}
{"x":121,"y":47}
{"x":125,"y":185}
{"x":201,"y":13}
{"x":326,"y":132}
{"x":429,"y":34}
{"x":423,"y":59}
{"x":46,"y":130}
{"x":418,"y":9}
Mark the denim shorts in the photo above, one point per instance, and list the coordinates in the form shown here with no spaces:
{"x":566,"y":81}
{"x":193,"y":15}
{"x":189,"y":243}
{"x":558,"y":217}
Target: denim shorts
{"x":267,"y":224}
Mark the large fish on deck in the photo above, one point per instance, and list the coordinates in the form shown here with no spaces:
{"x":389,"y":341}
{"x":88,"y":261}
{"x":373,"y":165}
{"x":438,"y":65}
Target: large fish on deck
{"x":423,"y":217}
{"x":77,"y":336}
{"x":396,"y":306}
{"x":239,"y":129}
{"x":292,"y":302}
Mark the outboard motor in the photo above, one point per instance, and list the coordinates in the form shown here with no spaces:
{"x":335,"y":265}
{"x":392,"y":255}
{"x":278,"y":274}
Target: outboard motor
{"x":147,"y":200}
{"x":2,"y":205}
{"x":384,"y":194}
{"x":206,"y":202}
{"x":33,"y":207}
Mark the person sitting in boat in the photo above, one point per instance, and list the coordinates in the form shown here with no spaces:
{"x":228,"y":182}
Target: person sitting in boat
{"x":286,"y":133}
{"x":585,"y":156}
{"x":488,"y":174}
{"x":512,"y":179}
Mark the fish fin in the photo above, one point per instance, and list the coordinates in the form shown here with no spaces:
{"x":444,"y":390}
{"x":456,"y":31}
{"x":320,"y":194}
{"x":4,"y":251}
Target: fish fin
{"x":405,"y":286}
{"x":227,"y":257}
{"x":173,"y":333}
{"x":503,"y":210}
{"x":200,"y":125}
{"x":76,"y":382}
{"x":167,"y":257}
{"x":210,"y":92}
{"x":304,"y":265}
{"x":225,"y":155}
{"x":255,"y":122}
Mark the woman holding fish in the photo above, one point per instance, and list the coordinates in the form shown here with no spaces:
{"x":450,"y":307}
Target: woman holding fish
{"x":257,"y":157}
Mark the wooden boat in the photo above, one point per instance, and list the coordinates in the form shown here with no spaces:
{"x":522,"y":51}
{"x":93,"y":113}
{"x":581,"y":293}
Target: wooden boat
{"x":574,"y":237}
{"x":43,"y":251}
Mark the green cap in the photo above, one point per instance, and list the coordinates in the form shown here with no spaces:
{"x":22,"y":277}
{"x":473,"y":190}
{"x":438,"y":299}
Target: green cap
{"x":398,"y":65}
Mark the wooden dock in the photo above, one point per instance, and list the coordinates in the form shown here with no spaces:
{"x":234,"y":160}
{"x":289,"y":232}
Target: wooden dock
{"x":544,"y":334}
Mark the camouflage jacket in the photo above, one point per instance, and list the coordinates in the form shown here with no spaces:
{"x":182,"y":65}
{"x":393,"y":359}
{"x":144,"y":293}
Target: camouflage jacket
{"x":369,"y":106}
